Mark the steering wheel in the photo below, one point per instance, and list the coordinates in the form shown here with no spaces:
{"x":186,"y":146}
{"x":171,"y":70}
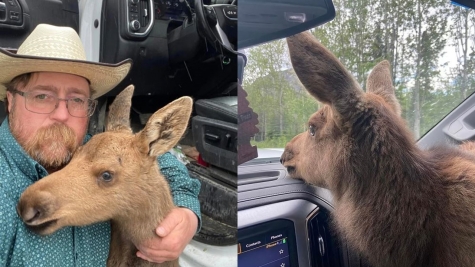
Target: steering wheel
{"x":217,"y":24}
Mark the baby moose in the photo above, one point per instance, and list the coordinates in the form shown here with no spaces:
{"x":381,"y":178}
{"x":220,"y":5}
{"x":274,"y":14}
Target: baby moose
{"x":114,"y":176}
{"x":395,"y":203}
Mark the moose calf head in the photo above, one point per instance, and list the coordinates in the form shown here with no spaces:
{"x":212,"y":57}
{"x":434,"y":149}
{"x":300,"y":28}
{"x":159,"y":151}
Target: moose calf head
{"x":322,"y":152}
{"x":111,"y":176}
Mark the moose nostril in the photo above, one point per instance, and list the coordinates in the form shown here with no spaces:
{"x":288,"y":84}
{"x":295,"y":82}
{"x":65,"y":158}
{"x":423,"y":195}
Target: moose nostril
{"x":29,"y":214}
{"x":282,"y":160}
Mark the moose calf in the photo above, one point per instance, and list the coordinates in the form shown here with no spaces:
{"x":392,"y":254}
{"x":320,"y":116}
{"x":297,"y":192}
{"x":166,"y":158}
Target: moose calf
{"x":395,"y":203}
{"x":114,"y":176}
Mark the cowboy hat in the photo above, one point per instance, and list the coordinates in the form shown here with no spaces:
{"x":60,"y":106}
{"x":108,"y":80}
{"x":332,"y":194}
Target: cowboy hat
{"x":59,"y":49}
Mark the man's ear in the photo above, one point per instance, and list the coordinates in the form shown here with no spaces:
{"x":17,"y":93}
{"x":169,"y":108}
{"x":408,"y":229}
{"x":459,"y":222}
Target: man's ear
{"x":9,"y":101}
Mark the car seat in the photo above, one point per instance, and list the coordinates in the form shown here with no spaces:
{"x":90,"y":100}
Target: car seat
{"x":215,"y":131}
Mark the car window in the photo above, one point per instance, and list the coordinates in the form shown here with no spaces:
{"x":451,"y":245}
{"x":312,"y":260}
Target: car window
{"x":429,"y":43}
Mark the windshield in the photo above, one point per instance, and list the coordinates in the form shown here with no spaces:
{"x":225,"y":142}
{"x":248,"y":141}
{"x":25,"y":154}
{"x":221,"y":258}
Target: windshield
{"x":429,"y":43}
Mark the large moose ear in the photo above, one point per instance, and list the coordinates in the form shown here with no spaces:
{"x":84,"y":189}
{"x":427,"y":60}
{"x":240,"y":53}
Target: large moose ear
{"x":165,"y":127}
{"x":380,"y":82}
{"x":119,"y":111}
{"x":322,"y":74}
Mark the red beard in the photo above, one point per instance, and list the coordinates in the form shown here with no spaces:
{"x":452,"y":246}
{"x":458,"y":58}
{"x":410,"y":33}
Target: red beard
{"x":51,"y":146}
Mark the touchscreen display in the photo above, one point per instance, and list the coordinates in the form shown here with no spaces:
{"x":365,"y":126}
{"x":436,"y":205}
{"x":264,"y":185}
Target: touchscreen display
{"x":268,"y":249}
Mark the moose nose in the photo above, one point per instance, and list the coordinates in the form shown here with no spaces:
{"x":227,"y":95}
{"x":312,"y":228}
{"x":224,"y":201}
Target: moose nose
{"x":286,"y":156}
{"x":28,"y":214}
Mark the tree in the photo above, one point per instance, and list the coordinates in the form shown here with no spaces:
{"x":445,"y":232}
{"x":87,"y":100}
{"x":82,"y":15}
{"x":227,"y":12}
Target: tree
{"x":411,"y":35}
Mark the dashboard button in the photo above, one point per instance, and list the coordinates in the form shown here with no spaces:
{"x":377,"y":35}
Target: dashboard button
{"x":134,"y":25}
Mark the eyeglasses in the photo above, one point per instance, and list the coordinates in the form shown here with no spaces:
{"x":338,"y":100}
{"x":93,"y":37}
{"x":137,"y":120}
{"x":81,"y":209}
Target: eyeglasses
{"x":42,"y":103}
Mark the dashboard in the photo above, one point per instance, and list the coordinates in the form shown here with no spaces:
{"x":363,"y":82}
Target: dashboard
{"x":141,"y":14}
{"x":284,"y":222}
{"x":170,"y":55}
{"x":170,"y":9}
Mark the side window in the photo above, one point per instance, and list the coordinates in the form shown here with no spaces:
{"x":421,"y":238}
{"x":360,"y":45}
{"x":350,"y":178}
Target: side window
{"x":429,"y":43}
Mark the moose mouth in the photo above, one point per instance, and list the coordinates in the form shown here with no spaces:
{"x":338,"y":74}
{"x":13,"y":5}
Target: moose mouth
{"x":42,"y":228}
{"x":291,"y":170}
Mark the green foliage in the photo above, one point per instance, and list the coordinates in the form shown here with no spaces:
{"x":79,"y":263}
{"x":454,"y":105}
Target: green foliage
{"x":275,"y":93}
{"x":275,"y":142}
{"x":429,"y":43}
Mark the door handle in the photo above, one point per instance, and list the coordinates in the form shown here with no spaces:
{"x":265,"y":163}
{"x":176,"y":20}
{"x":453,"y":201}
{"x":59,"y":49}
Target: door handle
{"x":462,"y":128}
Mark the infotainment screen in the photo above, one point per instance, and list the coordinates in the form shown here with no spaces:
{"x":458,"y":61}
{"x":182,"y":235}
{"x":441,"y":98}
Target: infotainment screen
{"x":271,"y":244}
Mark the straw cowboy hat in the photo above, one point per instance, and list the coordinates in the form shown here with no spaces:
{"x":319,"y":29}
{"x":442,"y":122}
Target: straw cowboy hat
{"x":59,"y":49}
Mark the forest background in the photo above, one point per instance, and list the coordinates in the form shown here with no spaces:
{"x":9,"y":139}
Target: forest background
{"x":429,"y":43}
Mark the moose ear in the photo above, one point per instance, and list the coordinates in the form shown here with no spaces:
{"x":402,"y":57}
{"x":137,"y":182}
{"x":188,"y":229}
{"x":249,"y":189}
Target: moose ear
{"x":322,"y":73}
{"x":165,"y":127}
{"x":119,"y":111}
{"x":380,"y":82}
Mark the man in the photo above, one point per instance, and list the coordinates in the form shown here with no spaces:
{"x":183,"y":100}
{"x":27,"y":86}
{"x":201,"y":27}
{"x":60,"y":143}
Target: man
{"x":49,"y":91}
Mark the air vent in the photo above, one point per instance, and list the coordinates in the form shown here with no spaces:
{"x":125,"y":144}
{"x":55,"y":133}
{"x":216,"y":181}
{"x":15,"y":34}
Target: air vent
{"x":259,"y":177}
{"x":325,"y":251}
{"x":144,"y":13}
{"x":260,"y":172}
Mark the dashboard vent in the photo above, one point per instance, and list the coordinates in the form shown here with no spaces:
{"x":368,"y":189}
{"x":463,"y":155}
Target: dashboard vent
{"x":144,"y":19}
{"x":258,"y":177}
{"x":260,"y":172}
{"x":324,"y":249}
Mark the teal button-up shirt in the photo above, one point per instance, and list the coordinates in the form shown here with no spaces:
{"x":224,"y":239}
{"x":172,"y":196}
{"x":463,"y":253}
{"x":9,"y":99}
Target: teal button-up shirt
{"x":70,"y":246}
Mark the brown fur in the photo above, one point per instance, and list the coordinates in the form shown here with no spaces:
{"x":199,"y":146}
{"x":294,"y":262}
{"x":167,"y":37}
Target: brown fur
{"x":136,"y":199}
{"x":395,"y":203}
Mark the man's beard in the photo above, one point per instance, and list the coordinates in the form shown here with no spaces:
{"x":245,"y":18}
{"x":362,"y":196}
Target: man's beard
{"x":51,"y":146}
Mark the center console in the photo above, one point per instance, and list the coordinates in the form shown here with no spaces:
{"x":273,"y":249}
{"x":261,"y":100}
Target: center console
{"x":140,"y":16}
{"x":284,"y":222}
{"x":268,"y":244}
{"x":264,"y":229}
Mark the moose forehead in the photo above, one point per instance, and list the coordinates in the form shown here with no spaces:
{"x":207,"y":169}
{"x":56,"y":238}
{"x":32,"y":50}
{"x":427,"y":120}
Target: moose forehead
{"x":320,"y":116}
{"x":108,"y":145}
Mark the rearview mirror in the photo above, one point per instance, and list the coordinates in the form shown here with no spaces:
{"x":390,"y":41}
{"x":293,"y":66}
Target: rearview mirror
{"x":262,"y":21}
{"x":465,"y":3}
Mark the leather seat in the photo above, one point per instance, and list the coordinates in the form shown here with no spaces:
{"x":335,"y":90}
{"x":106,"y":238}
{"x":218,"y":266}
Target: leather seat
{"x":220,"y":108}
{"x":215,"y":137}
{"x":215,"y":131}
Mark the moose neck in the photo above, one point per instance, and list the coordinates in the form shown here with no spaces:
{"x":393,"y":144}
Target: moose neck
{"x":140,"y":221}
{"x":382,"y":161}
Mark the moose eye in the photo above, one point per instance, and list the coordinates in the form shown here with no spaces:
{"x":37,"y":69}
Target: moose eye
{"x":106,"y":176}
{"x":311,"y":130}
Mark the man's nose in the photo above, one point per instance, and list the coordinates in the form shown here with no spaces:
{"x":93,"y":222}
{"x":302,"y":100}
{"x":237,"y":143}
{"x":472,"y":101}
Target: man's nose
{"x":60,"y":113}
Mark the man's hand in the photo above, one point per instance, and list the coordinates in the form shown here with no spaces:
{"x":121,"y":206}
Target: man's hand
{"x":174,"y":233}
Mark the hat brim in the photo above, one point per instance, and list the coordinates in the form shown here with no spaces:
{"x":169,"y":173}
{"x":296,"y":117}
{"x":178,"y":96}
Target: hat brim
{"x":102,"y":77}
